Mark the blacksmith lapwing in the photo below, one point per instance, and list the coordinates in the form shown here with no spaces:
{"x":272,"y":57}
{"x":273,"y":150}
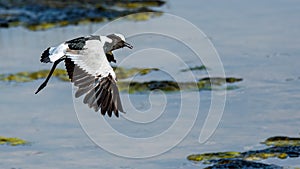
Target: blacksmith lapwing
{"x":87,"y":63}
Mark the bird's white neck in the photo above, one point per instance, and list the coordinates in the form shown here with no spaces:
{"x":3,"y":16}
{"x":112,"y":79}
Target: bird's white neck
{"x":105,"y":39}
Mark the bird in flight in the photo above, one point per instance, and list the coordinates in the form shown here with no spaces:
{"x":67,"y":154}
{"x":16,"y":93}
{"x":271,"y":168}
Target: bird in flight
{"x":87,"y":63}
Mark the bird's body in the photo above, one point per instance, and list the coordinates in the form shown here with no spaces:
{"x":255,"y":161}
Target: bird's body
{"x":87,"y":63}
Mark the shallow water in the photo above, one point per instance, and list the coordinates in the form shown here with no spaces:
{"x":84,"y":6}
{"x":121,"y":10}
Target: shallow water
{"x":257,"y":41}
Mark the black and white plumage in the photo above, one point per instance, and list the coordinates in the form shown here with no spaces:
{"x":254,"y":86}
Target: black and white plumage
{"x":87,"y":63}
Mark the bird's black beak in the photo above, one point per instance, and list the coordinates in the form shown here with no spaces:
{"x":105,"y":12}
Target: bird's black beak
{"x":128,"y":45}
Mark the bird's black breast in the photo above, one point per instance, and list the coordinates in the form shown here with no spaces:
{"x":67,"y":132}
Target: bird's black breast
{"x":110,"y":57}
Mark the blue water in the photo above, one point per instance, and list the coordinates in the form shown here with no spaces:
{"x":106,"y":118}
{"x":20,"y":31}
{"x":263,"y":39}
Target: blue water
{"x":257,"y":41}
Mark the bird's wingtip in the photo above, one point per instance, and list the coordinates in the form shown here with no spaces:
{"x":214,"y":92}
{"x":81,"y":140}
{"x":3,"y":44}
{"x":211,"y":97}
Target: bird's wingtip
{"x":45,"y":56}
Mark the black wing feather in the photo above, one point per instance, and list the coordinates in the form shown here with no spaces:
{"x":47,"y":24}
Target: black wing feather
{"x":76,"y":44}
{"x":101,"y":93}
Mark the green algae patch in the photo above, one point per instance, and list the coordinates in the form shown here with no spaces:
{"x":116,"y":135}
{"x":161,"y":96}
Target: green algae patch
{"x":41,"y":26}
{"x":213,"y":156}
{"x":12,"y":141}
{"x":281,"y":147}
{"x":264,"y":154}
{"x":143,"y":16}
{"x":18,"y":77}
{"x":282,"y":141}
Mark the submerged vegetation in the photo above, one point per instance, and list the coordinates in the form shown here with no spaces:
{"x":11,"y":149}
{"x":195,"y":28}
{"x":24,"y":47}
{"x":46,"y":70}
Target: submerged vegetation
{"x":202,"y":67}
{"x":124,"y":73}
{"x":206,"y":83}
{"x":40,"y":15}
{"x":12,"y":141}
{"x":282,"y":147}
{"x":30,"y":76}
{"x":171,"y":86}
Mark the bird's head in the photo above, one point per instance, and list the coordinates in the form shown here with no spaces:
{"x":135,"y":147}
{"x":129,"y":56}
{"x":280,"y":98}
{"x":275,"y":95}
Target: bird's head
{"x":117,"y":41}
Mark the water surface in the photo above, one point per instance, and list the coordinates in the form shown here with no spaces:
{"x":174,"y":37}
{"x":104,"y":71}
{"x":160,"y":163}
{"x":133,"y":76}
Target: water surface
{"x":258,"y":41}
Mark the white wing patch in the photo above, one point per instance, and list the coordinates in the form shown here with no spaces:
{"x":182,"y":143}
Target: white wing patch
{"x":92,"y":59}
{"x":57,"y":52}
{"x":105,"y":39}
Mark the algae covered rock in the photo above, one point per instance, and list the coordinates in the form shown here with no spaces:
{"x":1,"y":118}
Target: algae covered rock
{"x":282,"y":141}
{"x":282,"y":147}
{"x":236,"y":163}
{"x":137,"y":3}
{"x":41,"y":15}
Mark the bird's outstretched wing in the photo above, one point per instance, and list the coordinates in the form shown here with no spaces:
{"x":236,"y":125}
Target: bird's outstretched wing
{"x":91,"y":72}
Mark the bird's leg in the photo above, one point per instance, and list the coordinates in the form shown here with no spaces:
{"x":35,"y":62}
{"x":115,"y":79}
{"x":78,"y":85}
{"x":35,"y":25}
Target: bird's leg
{"x":49,"y":75}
